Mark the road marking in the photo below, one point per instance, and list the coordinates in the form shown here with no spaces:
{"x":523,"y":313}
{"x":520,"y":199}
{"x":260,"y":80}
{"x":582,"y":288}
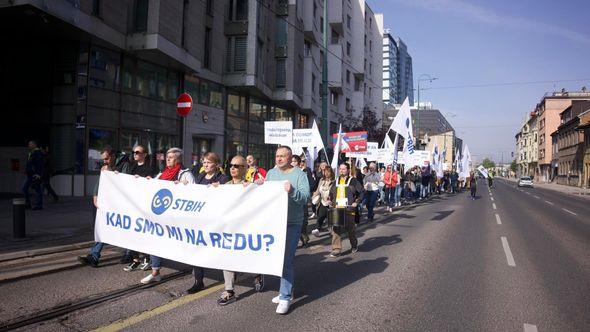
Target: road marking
{"x":494,"y":206}
{"x":507,"y":251}
{"x":530,"y":328}
{"x":492,"y":198}
{"x":138,"y":318}
{"x":570,"y":212}
{"x":549,"y":203}
{"x":537,"y":197}
{"x":498,"y":221}
{"x":526,"y":192}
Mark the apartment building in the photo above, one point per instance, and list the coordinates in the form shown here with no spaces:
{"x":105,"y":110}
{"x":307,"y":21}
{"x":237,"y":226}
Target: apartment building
{"x":397,"y":71}
{"x":570,"y":144}
{"x":527,"y":146}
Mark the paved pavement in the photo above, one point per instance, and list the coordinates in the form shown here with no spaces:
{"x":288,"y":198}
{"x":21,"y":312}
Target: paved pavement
{"x":508,"y":261}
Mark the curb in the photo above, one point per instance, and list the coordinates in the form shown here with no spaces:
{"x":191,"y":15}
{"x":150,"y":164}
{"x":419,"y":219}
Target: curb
{"x":44,"y":251}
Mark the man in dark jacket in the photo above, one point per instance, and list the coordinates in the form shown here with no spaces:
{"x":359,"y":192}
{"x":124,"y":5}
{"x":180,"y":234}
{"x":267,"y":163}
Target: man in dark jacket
{"x":34,"y":171}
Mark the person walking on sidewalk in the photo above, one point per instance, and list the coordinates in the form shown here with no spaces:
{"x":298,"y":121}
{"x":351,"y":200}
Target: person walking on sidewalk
{"x":348,"y":193}
{"x":108,"y":157}
{"x":297,"y":187}
{"x":34,"y":172}
{"x":237,"y":170}
{"x":174,"y":171}
{"x":323,"y":197}
{"x":371,"y":184}
{"x":473,"y":185}
{"x":389,"y":188}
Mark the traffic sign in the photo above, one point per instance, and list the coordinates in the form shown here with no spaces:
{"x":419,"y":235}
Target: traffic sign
{"x":184,"y":104}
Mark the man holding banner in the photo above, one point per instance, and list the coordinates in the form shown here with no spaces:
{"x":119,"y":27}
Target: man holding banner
{"x":297,"y":187}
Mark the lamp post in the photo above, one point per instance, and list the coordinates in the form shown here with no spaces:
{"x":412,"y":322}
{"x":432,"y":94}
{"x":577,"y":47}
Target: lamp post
{"x":423,"y":77}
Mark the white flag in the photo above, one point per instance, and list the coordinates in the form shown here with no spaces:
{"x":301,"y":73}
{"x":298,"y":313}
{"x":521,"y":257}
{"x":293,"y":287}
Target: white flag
{"x":395,"y":142}
{"x":402,"y":124}
{"x":334,"y":163}
{"x":465,"y":161}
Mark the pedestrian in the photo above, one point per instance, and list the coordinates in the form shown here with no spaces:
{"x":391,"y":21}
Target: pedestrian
{"x":389,"y":188}
{"x":139,"y":167}
{"x":371,"y":184}
{"x":297,"y":186}
{"x":296,"y":161}
{"x":108,"y":157}
{"x":47,"y":173}
{"x":174,"y":171}
{"x":397,"y":180}
{"x":237,"y":170}
{"x":323,"y":197}
{"x":348,"y":192}
{"x":254,"y":172}
{"x":34,"y":172}
{"x":381,"y":199}
{"x":319,"y":173}
{"x":472,"y":185}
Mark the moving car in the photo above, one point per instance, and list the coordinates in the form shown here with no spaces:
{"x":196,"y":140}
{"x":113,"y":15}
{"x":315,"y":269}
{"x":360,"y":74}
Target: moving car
{"x":525,"y":181}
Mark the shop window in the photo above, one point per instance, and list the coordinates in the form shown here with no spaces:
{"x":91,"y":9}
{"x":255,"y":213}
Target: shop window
{"x":280,"y":114}
{"x":234,"y":105}
{"x":105,"y":68}
{"x":97,"y":140}
{"x":204,"y":93}
{"x":215,"y":95}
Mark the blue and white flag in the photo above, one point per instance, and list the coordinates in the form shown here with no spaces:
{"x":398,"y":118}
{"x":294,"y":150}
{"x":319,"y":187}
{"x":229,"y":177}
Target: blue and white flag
{"x":402,"y":124}
{"x":395,"y":143}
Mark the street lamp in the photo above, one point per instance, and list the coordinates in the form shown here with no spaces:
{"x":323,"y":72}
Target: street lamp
{"x":423,"y":77}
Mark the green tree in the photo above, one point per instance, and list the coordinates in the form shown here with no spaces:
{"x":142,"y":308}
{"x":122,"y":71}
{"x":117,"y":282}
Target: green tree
{"x":487,"y":163}
{"x":513,"y":166}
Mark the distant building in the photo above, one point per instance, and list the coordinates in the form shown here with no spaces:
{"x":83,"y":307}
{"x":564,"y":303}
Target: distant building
{"x":397,"y":71}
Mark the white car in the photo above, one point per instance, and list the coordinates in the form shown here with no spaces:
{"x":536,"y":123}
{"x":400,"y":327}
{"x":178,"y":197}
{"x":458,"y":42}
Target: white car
{"x":525,"y":181}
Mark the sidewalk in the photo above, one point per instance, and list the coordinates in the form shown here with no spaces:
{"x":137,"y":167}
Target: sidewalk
{"x":68,"y":221}
{"x":576,"y":191}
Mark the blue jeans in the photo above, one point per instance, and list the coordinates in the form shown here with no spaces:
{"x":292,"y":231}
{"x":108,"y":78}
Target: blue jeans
{"x":389,"y":196}
{"x":397,"y":194}
{"x":288,"y":278}
{"x":38,"y":187}
{"x":96,"y":249}
{"x":371,"y":196}
{"x":424,"y":191}
{"x":156,"y":262}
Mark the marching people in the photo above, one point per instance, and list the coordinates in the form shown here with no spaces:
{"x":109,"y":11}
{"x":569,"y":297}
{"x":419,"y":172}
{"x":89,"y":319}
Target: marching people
{"x":319,"y":173}
{"x":371,"y":185}
{"x":108,"y":157}
{"x":173,"y":172}
{"x":211,"y":175}
{"x":397,"y":191}
{"x":323,"y":197}
{"x":381,"y":199}
{"x":254,"y":172}
{"x":140,"y":167}
{"x":348,"y":192}
{"x":237,"y":170}
{"x":297,"y":187}
{"x":34,"y":172}
{"x":389,"y":188}
{"x":472,"y":185}
{"x":296,"y":161}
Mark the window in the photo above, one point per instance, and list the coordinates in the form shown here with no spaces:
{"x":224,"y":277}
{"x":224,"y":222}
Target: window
{"x":370,"y":69}
{"x":96,"y":8}
{"x":207,"y":49}
{"x":370,"y":45}
{"x":347,"y":103}
{"x":313,"y":82}
{"x":97,"y":140}
{"x":348,"y":76}
{"x":357,"y":84}
{"x":348,"y":20}
{"x":209,"y":7}
{"x":238,"y":10}
{"x":105,"y":68}
{"x":315,"y":9}
{"x":281,"y":73}
{"x":335,"y":37}
{"x":333,"y":98}
{"x":141,"y":15}
{"x":321,"y":24}
{"x":306,"y":48}
{"x":348,"y":48}
{"x":235,"y":60}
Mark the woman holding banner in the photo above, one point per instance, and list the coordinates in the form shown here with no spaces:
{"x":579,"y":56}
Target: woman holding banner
{"x":173,"y":172}
{"x":237,"y":170}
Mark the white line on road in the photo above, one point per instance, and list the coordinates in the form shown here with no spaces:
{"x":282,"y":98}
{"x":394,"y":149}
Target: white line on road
{"x":507,"y":251}
{"x":530,"y":328}
{"x":570,"y":212}
{"x":526,"y":192}
{"x":498,"y":221}
{"x":492,"y":198}
{"x":494,"y":206}
{"x":549,"y":203}
{"x":537,"y":197}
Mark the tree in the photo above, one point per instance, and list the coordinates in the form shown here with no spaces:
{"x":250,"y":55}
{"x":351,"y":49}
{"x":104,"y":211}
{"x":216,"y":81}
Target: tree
{"x":487,"y":163}
{"x":367,"y":122}
{"x":514,"y":166}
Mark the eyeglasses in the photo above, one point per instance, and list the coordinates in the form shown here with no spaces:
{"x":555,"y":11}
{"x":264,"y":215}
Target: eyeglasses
{"x":236,"y":166}
{"x":138,"y":152}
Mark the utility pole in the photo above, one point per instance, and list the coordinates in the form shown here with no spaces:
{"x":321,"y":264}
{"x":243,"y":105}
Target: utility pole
{"x":324,"y":92}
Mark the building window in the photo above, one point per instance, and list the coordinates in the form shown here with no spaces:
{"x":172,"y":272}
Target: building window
{"x":313,"y":83}
{"x":348,"y":21}
{"x":347,"y":103}
{"x":333,"y":98}
{"x":348,"y":76}
{"x":207,"y":49}
{"x":357,"y":84}
{"x":370,"y":45}
{"x":348,"y":48}
{"x":140,"y":15}
{"x":96,"y":8}
{"x":209,"y":7}
{"x":281,"y":74}
{"x":238,"y":10}
{"x":335,"y":37}
{"x":306,"y":48}
{"x":321,"y":24}
{"x":235,"y":60}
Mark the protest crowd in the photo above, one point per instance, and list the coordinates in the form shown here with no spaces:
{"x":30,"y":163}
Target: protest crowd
{"x":339,"y":201}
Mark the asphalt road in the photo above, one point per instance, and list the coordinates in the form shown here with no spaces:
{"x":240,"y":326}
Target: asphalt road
{"x":507,"y":261}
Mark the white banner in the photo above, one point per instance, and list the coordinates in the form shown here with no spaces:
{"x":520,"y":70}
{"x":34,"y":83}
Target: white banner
{"x":227,"y":228}
{"x":418,"y":158}
{"x":278,"y":132}
{"x":371,"y":154}
{"x":483,"y":171}
{"x":303,"y":138}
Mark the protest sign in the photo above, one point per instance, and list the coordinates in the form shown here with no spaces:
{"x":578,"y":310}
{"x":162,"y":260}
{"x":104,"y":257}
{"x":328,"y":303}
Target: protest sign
{"x":356,"y":141}
{"x":303,"y":138}
{"x":278,"y":132}
{"x":229,"y":227}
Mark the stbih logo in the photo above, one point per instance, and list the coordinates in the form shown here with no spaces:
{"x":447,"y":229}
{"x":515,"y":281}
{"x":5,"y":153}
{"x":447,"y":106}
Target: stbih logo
{"x":161,"y":201}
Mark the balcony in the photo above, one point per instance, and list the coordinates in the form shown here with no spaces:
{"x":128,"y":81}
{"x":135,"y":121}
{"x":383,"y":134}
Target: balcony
{"x":335,"y":15}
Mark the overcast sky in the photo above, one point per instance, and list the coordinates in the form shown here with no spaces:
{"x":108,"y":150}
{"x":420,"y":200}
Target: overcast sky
{"x":466,"y":43}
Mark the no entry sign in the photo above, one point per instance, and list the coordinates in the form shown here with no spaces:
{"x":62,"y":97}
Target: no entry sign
{"x":184,"y":104}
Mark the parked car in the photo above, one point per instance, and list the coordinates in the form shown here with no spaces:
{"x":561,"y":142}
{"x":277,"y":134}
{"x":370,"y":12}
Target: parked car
{"x":525,"y":181}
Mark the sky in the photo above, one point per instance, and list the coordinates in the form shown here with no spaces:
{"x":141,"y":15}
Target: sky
{"x":465,"y":43}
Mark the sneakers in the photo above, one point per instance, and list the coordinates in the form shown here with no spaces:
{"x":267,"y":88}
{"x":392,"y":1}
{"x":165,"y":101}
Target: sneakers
{"x":145,"y":265}
{"x":283,"y":307}
{"x":197,"y":287}
{"x":226,"y":298}
{"x":88,"y":260}
{"x":133,"y":266}
{"x":277,"y":298}
{"x":151,"y":278}
{"x":354,"y":250}
{"x":259,"y":283}
{"x":315,"y":232}
{"x":334,"y":254}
